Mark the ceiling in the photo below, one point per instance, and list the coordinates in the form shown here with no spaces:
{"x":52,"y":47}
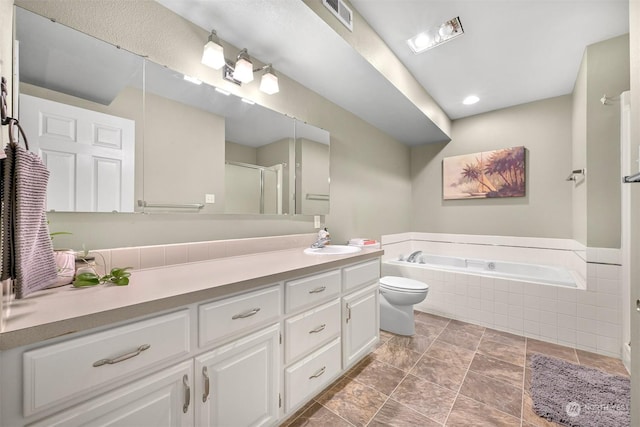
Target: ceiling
{"x":512,"y":52}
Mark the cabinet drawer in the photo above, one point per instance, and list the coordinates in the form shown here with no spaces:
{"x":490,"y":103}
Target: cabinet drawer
{"x":72,"y":368}
{"x":311,"y":374}
{"x":311,"y":290}
{"x":310,"y":329}
{"x":360,"y":274}
{"x":230,"y":315}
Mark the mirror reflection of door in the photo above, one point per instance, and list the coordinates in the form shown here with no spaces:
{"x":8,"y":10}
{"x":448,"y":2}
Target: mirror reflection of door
{"x":90,"y":155}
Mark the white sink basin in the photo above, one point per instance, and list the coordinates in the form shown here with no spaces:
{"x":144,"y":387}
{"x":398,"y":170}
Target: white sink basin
{"x":333,"y":250}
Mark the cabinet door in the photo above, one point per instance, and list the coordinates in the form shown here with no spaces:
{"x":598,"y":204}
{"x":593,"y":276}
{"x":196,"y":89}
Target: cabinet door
{"x":361,"y":314}
{"x":162,"y":399}
{"x":238,"y":384}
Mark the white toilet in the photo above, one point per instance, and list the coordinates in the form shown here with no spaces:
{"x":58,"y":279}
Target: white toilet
{"x":398,"y":295}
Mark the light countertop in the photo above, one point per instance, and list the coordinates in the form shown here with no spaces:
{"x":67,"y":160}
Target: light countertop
{"x":60,"y":311}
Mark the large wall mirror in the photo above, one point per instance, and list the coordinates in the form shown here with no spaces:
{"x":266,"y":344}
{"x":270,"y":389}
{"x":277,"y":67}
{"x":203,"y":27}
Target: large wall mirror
{"x":122,"y":134}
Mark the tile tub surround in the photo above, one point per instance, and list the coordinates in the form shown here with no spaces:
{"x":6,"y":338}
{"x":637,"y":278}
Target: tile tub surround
{"x":589,"y":319}
{"x":430,"y":379}
{"x":55,"y":312}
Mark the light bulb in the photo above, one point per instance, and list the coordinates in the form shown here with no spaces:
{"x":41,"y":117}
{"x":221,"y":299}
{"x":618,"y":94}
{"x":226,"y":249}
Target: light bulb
{"x":445,"y":30}
{"x":422,"y":40}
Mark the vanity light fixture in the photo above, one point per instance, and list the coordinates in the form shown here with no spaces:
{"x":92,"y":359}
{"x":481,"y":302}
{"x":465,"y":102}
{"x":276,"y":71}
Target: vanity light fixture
{"x":213,"y":54}
{"x":242,"y":70}
{"x":470,"y":100}
{"x":433,"y":37}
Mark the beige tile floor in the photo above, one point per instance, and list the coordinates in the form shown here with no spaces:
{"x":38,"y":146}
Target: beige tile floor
{"x":450,"y":373}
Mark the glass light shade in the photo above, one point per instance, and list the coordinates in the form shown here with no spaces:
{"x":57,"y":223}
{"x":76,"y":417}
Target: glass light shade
{"x":269,"y":83}
{"x":213,"y":55}
{"x":243,"y":71}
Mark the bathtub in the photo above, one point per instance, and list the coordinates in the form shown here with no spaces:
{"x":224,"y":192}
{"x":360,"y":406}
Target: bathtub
{"x":523,"y":272}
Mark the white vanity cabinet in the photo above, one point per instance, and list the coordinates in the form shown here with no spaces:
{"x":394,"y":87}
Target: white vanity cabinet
{"x":247,"y":359}
{"x":238,"y":384}
{"x":361,"y":328}
{"x":360,"y":310}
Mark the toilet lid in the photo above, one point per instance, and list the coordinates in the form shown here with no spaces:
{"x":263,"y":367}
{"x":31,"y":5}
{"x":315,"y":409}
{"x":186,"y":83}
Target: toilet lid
{"x":403,"y":284}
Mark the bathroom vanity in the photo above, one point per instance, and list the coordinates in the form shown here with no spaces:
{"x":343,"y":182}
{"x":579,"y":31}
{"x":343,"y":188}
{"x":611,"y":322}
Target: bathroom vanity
{"x":237,"y":341}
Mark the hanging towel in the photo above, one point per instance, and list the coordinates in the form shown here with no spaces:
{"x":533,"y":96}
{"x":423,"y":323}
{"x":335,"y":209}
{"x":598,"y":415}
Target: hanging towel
{"x":27,"y":253}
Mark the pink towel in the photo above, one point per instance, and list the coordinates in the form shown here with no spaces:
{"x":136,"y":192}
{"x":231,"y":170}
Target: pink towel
{"x":27,"y":253}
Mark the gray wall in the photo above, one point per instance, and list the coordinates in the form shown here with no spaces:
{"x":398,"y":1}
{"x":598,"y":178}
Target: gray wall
{"x":370,"y":180}
{"x":544,"y":128}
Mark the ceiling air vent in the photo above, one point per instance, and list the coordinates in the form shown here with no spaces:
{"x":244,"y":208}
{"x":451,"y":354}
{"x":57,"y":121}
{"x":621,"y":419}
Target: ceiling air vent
{"x":341,"y":11}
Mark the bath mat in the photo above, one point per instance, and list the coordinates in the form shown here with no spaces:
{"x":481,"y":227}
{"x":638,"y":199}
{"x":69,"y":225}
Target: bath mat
{"x":579,"y":396}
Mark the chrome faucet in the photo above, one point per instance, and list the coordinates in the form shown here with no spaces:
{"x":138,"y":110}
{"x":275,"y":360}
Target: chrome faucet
{"x":323,"y":239}
{"x":413,"y":256}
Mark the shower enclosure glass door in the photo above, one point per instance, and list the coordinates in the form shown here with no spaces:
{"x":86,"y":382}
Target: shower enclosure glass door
{"x":253,"y":189}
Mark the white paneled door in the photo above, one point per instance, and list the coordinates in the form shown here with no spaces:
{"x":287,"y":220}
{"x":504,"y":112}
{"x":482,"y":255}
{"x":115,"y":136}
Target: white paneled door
{"x":90,"y":155}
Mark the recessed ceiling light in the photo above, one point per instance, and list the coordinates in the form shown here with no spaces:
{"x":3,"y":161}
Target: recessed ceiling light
{"x":471,"y":99}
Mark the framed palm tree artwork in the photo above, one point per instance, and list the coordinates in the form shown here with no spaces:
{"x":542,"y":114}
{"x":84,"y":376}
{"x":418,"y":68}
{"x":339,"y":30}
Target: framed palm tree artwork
{"x":497,"y":173}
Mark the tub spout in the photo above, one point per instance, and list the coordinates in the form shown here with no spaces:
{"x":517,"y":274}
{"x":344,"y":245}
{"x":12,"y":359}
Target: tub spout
{"x":413,"y":257}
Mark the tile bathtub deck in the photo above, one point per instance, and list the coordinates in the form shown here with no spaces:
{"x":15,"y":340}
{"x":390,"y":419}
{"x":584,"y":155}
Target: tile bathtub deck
{"x":450,"y":373}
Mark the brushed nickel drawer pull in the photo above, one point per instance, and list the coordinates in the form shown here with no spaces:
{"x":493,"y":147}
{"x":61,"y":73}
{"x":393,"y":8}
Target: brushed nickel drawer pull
{"x":318,"y":329}
{"x":348,"y":312}
{"x":246,"y":314}
{"x":122,"y":358}
{"x":318,"y":290}
{"x":205,"y":374}
{"x":318,"y":373}
{"x":187,"y":394}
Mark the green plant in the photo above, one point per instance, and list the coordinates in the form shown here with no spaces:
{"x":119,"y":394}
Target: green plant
{"x":117,"y":276}
{"x":58,"y":233}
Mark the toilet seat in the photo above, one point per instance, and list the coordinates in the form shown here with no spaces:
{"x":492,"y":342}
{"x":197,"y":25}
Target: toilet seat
{"x":402,"y":284}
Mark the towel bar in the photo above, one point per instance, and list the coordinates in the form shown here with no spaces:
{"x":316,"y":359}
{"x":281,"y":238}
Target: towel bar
{"x":144,"y":204}
{"x":311,"y":196}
